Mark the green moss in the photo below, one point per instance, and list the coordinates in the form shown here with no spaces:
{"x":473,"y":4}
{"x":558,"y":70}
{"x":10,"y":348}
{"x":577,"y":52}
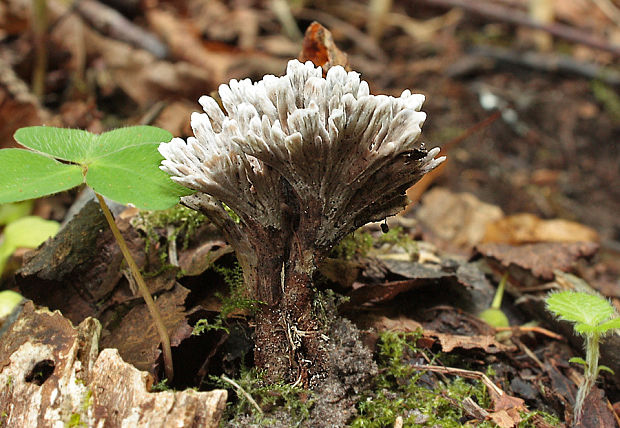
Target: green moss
{"x":160,"y":386}
{"x":75,"y":421}
{"x":185,"y":222}
{"x":399,"y":391}
{"x":608,"y":97}
{"x":361,"y":242}
{"x":286,"y":400}
{"x":357,"y":243}
{"x":235,"y":299}
{"x":528,"y":419}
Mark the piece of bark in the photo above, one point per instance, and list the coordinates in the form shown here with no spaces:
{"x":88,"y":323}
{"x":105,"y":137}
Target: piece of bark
{"x":52,"y":375}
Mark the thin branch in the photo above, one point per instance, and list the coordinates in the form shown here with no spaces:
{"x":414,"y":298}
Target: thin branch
{"x":503,"y":14}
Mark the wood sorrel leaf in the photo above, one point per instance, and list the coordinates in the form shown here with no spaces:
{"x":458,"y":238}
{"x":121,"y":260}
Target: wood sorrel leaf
{"x":27,"y":175}
{"x":587,"y":310}
{"x":122,"y":165}
{"x":132,"y":175}
{"x":61,"y":143}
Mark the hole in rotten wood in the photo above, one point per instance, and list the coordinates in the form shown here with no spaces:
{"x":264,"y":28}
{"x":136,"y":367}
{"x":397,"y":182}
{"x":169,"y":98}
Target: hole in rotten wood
{"x":40,"y":372}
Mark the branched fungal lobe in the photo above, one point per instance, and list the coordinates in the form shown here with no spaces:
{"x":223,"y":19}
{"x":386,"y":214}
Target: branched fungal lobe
{"x":351,"y":153}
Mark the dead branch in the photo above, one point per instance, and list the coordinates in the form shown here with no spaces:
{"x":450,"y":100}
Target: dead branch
{"x":503,"y":14}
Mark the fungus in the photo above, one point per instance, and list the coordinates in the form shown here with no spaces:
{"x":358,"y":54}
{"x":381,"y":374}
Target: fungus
{"x":302,"y":160}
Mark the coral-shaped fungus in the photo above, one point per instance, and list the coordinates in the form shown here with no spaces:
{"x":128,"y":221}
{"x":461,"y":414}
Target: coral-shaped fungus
{"x":302,"y":160}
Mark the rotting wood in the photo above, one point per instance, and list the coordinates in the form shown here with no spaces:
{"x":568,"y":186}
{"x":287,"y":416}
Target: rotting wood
{"x":52,"y":374}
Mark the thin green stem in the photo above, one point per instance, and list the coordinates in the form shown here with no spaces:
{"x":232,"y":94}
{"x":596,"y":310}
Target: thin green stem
{"x":146,"y":295}
{"x":589,"y":375}
{"x":499,"y":294}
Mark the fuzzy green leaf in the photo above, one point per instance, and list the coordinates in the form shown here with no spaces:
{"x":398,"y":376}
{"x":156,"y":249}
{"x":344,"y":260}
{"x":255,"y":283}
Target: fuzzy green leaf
{"x":605,"y":369}
{"x":578,"y":360}
{"x":27,"y":175}
{"x":132,"y":175}
{"x":72,"y":145}
{"x":12,"y":211}
{"x":587,"y":310}
{"x":609,"y":325}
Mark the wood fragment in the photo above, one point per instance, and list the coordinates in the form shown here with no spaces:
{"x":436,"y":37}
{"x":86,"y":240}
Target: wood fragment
{"x":53,"y":375}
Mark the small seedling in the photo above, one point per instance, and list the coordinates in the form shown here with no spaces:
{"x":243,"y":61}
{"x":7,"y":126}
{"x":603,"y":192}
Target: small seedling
{"x":121,"y":165}
{"x":593,"y":318}
{"x":494,"y":315}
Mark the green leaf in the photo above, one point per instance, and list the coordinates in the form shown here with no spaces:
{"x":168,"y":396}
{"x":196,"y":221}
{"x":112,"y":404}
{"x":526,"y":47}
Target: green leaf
{"x":8,"y":300}
{"x":27,"y":175}
{"x":13,"y":211}
{"x":122,"y":165}
{"x":578,"y":360}
{"x":605,"y":369}
{"x":582,"y":308}
{"x":27,"y":232}
{"x":132,"y":175}
{"x":118,"y":139}
{"x":609,"y":325}
{"x":62,"y":143}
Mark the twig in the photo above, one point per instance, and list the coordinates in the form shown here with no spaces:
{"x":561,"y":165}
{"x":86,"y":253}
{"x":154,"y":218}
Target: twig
{"x":503,"y":14}
{"x":111,"y":23}
{"x":549,"y":63}
{"x":463,"y":373}
{"x":242,"y":391}
{"x":146,"y":295}
{"x":539,"y":330}
{"x":282,"y":11}
{"x":39,"y":29}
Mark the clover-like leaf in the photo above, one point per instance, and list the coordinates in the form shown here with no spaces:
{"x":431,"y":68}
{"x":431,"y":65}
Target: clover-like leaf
{"x":122,"y":165}
{"x":71,"y":145}
{"x":131,"y":175}
{"x":26,"y":175}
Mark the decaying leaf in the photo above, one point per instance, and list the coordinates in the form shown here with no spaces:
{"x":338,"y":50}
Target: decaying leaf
{"x":541,"y":259}
{"x":319,"y":47}
{"x":459,"y":219}
{"x":528,"y":228}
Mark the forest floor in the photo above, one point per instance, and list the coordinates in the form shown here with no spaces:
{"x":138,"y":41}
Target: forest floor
{"x":530,"y":124}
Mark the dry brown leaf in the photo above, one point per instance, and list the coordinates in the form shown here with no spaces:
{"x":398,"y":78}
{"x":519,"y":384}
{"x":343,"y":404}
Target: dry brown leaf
{"x":540,"y":259}
{"x":505,"y":419}
{"x":459,"y":219}
{"x":138,"y":73}
{"x":136,"y":337}
{"x":319,"y":47}
{"x":404,"y":324}
{"x":18,"y":106}
{"x":449,"y":342}
{"x":528,"y":228}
